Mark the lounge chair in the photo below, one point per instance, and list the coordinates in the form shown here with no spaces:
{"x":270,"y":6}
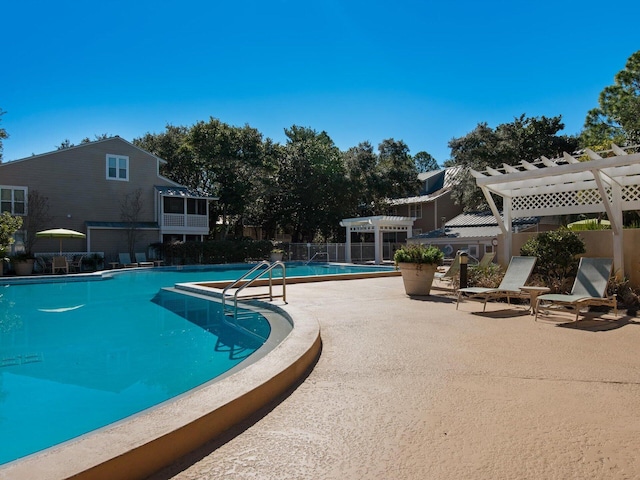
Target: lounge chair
{"x":60,"y":265}
{"x":451,"y":272}
{"x":75,"y":265}
{"x":486,"y":259}
{"x":515,"y":277}
{"x":142,"y":261}
{"x":125,"y":261}
{"x":589,"y":288}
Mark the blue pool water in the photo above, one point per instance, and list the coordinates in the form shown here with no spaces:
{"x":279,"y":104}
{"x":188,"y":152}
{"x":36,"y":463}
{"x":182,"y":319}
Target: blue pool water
{"x":79,"y":355}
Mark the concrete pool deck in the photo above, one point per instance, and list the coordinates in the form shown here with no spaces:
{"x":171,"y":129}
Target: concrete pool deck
{"x":412,"y":389}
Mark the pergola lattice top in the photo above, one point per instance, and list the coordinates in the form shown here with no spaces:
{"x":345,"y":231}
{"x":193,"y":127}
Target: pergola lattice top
{"x":608,"y":182}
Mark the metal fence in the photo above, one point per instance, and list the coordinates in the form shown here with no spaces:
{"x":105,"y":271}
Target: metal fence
{"x":361,"y":252}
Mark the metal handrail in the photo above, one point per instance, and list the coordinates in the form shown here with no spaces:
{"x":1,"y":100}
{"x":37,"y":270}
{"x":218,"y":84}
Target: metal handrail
{"x":315,"y":255}
{"x":269,"y":269}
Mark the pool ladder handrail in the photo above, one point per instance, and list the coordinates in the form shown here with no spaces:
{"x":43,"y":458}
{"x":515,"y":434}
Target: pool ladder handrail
{"x":269,"y":270}
{"x":317,"y":254}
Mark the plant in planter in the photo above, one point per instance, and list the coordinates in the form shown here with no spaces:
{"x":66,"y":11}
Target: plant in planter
{"x":23,"y":263}
{"x":418,"y":264}
{"x":276,"y":255}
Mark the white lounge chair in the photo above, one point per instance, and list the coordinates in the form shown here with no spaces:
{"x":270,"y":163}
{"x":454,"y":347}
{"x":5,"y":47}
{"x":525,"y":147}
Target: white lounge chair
{"x":589,"y":288}
{"x":516,"y":276}
{"x":451,"y":272}
{"x":486,"y":259}
{"x":141,"y":260}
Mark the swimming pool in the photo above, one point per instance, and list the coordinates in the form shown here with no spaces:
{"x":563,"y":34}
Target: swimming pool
{"x":78,"y":355}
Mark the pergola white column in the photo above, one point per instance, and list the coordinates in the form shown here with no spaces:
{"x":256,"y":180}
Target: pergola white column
{"x":378,"y":225}
{"x":604,"y":182}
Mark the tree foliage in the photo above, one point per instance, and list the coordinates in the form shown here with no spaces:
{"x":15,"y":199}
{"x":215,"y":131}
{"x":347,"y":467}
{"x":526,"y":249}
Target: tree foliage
{"x":425,"y":162}
{"x":304,"y":187}
{"x":557,"y":256}
{"x":312,"y":181}
{"x":526,"y":138}
{"x":617,"y":119}
{"x":3,"y":134}
{"x":8,"y":226}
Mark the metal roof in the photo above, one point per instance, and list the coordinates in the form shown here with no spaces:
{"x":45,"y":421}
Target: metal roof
{"x":476,"y":225}
{"x":119,"y":225}
{"x":450,"y":178}
{"x":170,"y":191}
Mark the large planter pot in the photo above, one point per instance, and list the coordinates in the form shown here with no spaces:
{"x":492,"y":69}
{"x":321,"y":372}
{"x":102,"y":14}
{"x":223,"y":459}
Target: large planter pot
{"x":417,"y":277}
{"x":276,"y":256}
{"x":23,"y":267}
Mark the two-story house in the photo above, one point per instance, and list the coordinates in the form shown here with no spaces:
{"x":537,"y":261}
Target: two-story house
{"x":104,"y":189}
{"x":434,"y":205}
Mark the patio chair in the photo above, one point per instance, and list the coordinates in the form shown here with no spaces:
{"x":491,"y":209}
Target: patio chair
{"x":75,"y":265}
{"x":125,"y":261}
{"x":487,"y":259}
{"x":516,"y":276}
{"x":141,"y":259}
{"x":60,"y":265}
{"x":451,"y":272}
{"x":589,"y":288}
{"x":44,"y":264}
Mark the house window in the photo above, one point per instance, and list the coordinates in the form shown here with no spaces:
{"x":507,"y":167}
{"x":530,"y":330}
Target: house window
{"x":196,"y":206}
{"x":173,"y":205}
{"x":13,"y":200}
{"x":117,"y":168}
{"x":415,"y":210}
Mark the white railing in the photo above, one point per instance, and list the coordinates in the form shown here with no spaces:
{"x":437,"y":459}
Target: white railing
{"x":181,"y":220}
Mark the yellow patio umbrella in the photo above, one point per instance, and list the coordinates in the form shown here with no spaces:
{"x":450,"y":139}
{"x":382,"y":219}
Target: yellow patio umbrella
{"x":60,"y":233}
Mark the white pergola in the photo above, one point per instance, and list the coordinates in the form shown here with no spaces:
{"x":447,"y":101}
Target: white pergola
{"x":378,"y":225}
{"x":608,"y":182}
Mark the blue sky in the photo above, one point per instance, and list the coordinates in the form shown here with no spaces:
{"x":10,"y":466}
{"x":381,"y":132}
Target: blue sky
{"x":419,"y":71}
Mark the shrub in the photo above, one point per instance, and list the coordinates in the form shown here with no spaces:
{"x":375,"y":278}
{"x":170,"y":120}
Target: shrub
{"x":488,"y":276}
{"x":557,"y":257}
{"x":420,"y":254}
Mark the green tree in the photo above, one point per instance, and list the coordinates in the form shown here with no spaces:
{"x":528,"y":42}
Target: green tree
{"x":312,"y":185}
{"x":364,"y":184}
{"x":523,"y":139}
{"x":3,"y":134}
{"x":8,"y":226}
{"x":397,"y":172}
{"x":425,"y":162}
{"x":232,"y":158}
{"x":171,"y":146}
{"x":617,"y":119}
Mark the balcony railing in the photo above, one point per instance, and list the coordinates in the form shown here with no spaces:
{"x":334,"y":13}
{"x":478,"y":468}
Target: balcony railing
{"x":181,"y":220}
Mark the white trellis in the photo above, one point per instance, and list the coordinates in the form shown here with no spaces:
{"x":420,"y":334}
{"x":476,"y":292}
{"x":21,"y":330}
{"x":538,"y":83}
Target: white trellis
{"x":608,"y":182}
{"x":376,"y":225}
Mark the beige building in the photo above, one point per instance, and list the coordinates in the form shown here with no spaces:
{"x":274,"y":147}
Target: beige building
{"x":87,"y":188}
{"x":434,"y":206}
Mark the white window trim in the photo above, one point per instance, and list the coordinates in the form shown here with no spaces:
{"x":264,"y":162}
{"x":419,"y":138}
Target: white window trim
{"x":415,"y":210}
{"x":13,"y":188}
{"x":118,"y":158}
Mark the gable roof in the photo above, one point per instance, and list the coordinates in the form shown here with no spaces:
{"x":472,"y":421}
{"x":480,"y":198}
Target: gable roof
{"x":84,"y":145}
{"x":436,"y":184}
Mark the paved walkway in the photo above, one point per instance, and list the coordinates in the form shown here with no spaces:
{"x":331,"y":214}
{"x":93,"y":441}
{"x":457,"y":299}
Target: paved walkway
{"x":413,"y":389}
